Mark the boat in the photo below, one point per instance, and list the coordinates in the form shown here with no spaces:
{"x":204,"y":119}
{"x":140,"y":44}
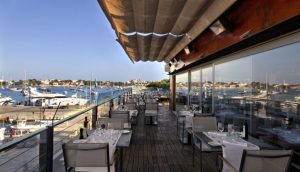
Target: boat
{"x":4,"y":100}
{"x":15,"y":89}
{"x":22,"y":126}
{"x":62,"y":102}
{"x":297,"y":99}
{"x":43,"y":93}
{"x":2,"y":132}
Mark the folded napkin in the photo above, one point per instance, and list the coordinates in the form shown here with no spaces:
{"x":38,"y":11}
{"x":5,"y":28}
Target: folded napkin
{"x":188,"y":121}
{"x":235,"y":142}
{"x":185,"y":113}
{"x":223,"y":134}
{"x":80,"y":141}
{"x":233,"y":151}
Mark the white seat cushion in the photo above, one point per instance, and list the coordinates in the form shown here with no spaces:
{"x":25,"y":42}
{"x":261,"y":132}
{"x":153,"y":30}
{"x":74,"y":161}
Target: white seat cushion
{"x":95,"y":169}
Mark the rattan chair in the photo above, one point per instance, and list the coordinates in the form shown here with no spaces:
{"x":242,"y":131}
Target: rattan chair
{"x":87,"y":157}
{"x":263,"y":161}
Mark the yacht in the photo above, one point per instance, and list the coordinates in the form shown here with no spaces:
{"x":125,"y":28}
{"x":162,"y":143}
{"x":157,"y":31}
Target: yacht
{"x":63,"y":102}
{"x":2,"y":137}
{"x":22,"y":126}
{"x":34,"y":92}
{"x":5,"y":100}
{"x":15,"y":89}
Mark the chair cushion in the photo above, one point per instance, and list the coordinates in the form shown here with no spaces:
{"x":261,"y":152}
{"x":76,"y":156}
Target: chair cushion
{"x":95,"y":169}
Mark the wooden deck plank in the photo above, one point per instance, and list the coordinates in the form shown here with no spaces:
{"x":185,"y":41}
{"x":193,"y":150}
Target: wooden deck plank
{"x":157,"y":148}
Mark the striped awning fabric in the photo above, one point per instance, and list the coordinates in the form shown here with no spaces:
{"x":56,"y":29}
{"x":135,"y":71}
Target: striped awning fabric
{"x":157,"y":30}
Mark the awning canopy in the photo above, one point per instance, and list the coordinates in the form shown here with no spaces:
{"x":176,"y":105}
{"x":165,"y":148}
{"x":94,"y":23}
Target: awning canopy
{"x":157,"y":30}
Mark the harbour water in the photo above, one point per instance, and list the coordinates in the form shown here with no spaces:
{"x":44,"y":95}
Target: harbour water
{"x":99,"y":93}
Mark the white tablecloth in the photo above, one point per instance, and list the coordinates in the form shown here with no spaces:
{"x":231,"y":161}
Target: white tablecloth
{"x":188,"y":118}
{"x":131,"y":112}
{"x":232,"y":148}
{"x":106,"y":136}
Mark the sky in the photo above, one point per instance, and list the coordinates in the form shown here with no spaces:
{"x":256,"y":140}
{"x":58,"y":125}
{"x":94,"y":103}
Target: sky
{"x":64,"y":39}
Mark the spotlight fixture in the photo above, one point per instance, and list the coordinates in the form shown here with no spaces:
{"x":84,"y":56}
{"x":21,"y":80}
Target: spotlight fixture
{"x":219,"y":26}
{"x":172,"y":66}
{"x":179,"y":64}
{"x":187,"y":50}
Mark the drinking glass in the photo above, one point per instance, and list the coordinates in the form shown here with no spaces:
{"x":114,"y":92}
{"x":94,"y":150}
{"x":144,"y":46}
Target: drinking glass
{"x":236,"y":131}
{"x":230,"y":129}
{"x":220,"y":126}
{"x":109,"y":125}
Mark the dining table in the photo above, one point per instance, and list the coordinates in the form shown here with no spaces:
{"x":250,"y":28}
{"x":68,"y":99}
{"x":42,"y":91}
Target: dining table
{"x":132,"y":113}
{"x":230,"y":145}
{"x":184,"y":121}
{"x":116,"y":139}
{"x":288,"y":138}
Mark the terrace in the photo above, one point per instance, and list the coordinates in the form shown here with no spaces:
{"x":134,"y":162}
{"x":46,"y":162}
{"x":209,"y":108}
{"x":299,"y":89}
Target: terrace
{"x":233,"y":67}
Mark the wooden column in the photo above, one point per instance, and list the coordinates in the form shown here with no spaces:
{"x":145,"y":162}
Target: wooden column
{"x":172,"y":99}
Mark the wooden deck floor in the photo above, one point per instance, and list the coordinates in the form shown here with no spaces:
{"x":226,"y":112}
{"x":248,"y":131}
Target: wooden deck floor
{"x":157,"y":148}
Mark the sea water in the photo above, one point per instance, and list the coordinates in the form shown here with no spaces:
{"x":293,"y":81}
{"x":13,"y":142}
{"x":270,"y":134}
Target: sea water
{"x":84,"y":92}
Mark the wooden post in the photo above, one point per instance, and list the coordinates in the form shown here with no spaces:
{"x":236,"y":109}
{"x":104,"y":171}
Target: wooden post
{"x":94,"y":116}
{"x":172,"y":93}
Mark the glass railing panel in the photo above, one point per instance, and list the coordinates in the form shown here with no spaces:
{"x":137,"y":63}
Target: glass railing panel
{"x":66,"y":131}
{"x":31,"y":152}
{"x":103,"y":110}
{"x":28,"y":155}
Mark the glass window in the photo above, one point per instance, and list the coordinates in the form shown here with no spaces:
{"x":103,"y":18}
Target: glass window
{"x":233,"y":90}
{"x":181,"y":91}
{"x":262,"y":90}
{"x":207,"y":86}
{"x":195,"y":91}
{"x":276,"y":74}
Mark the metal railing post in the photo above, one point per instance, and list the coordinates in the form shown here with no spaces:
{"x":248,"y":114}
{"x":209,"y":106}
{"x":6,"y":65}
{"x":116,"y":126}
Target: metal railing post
{"x":94,"y":116}
{"x":43,"y":151}
{"x":49,"y":151}
{"x":119,"y":100}
{"x":111,"y":104}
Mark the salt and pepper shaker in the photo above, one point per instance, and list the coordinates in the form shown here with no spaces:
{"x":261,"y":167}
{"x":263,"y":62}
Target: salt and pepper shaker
{"x":245,"y":131}
{"x":81,"y":134}
{"x":85,"y":125}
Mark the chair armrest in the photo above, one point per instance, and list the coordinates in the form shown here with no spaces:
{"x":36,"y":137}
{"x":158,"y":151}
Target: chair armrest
{"x":231,"y":167}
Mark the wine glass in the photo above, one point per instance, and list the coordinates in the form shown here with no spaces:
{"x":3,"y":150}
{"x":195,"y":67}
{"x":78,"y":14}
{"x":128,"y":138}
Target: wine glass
{"x":109,"y":125}
{"x":220,"y":126}
{"x":230,"y":129}
{"x":236,"y":131}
